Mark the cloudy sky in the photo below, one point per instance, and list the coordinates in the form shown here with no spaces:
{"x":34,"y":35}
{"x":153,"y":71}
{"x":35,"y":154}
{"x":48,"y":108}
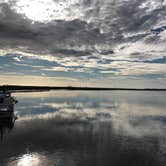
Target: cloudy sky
{"x":113,"y":43}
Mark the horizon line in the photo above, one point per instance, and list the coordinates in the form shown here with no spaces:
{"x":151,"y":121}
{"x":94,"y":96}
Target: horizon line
{"x":21,"y":88}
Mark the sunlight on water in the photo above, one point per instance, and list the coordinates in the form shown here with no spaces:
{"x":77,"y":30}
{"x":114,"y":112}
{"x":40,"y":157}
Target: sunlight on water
{"x":28,"y":160}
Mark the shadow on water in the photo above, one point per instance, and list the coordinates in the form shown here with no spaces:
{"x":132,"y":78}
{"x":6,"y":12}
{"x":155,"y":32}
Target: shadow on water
{"x":6,"y":125}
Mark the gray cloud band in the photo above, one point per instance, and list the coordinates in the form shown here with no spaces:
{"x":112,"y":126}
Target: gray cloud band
{"x":106,"y":24}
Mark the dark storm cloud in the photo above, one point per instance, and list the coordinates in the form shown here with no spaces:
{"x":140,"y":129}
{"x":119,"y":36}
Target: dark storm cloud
{"x":137,"y":19}
{"x":71,"y":52}
{"x":16,"y":30}
{"x":126,"y":16}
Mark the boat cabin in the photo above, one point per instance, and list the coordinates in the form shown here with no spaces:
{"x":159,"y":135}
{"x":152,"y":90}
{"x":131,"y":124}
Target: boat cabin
{"x":7,"y":103}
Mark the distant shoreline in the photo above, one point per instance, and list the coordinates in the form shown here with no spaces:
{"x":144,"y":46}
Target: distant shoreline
{"x":17,"y":88}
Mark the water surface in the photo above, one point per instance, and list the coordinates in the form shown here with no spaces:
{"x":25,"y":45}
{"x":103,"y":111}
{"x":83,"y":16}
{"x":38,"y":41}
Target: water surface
{"x":65,"y":128}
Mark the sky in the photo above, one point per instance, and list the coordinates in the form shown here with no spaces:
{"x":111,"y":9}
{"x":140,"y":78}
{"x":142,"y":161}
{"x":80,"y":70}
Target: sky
{"x":106,"y":43}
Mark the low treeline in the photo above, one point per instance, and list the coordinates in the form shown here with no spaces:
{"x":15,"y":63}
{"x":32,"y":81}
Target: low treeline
{"x":17,"y":88}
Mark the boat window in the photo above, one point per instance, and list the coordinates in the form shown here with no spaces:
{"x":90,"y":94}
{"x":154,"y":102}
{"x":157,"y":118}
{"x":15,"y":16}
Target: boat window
{"x":1,"y":100}
{"x":7,"y":95}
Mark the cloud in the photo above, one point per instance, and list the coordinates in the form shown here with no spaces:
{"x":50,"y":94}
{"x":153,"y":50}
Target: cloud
{"x":83,"y":39}
{"x":87,"y":31}
{"x":18,"y":31}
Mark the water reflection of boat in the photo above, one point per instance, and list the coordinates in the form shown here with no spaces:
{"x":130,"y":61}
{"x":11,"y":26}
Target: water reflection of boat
{"x":6,"y":125}
{"x":7,"y":117}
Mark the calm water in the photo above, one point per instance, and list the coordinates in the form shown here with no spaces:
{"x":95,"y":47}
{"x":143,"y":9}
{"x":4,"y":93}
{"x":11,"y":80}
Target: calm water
{"x":86,"y":129}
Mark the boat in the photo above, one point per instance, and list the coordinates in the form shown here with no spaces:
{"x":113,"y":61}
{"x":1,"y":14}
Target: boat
{"x":7,"y":116}
{"x":7,"y":103}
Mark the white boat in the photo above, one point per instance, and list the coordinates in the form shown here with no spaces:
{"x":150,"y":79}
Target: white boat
{"x":7,"y":103}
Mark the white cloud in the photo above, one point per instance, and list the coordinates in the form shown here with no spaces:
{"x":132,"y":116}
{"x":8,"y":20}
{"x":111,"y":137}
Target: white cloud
{"x":151,"y":5}
{"x":64,"y":69}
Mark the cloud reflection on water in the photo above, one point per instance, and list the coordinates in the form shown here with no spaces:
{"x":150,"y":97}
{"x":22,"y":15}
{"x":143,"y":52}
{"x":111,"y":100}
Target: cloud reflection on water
{"x":88,"y":128}
{"x":138,"y":114}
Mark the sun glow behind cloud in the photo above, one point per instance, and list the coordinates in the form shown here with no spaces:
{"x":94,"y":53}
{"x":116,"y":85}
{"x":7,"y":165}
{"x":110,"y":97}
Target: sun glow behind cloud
{"x":46,"y":11}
